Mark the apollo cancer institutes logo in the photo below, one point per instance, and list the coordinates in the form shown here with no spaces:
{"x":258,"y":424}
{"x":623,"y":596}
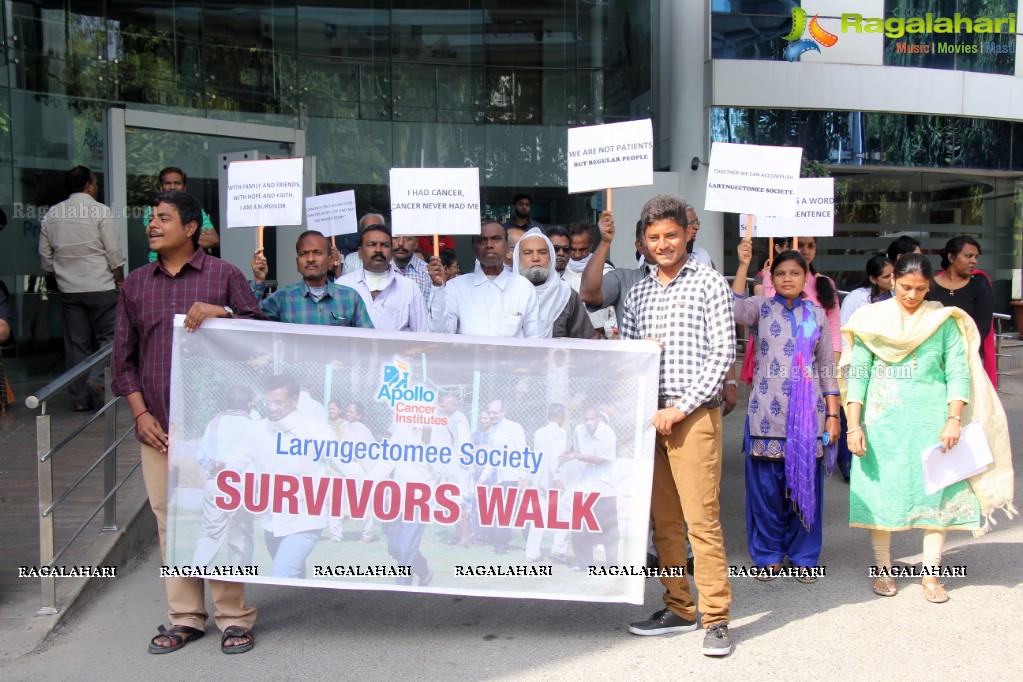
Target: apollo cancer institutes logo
{"x":415,"y":405}
{"x":900,"y":27}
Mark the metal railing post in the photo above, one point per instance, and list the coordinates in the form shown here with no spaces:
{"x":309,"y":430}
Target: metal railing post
{"x":47,"y":583}
{"x":110,"y":465}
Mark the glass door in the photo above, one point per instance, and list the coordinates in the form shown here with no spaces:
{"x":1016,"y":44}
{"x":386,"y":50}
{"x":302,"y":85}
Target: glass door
{"x":149,"y":150}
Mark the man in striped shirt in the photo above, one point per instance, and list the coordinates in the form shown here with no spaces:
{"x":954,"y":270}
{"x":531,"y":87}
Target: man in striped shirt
{"x":687,"y":308}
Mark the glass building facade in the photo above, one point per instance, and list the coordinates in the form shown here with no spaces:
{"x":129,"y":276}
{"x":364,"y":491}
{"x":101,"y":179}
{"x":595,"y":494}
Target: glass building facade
{"x":930,"y":176}
{"x":374,"y":84}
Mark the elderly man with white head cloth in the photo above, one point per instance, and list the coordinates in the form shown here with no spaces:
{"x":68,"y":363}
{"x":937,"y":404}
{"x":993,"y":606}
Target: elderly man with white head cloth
{"x":562,"y":313}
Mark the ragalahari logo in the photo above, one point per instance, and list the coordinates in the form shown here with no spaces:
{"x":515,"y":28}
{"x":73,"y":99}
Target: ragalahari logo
{"x":800,"y":46}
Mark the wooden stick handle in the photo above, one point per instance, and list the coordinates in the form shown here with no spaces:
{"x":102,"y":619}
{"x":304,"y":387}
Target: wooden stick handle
{"x":607,"y":202}
{"x":436,"y":246}
{"x":259,"y":237}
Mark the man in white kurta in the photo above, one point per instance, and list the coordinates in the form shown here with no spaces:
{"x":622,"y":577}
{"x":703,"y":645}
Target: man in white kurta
{"x":490,"y":301}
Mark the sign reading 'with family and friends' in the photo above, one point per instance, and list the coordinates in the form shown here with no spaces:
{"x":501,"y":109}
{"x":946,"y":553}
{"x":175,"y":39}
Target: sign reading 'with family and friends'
{"x":264,"y":193}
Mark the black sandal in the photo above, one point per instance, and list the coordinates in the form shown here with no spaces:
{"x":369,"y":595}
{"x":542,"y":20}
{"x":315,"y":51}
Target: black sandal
{"x":237,"y":631}
{"x":175,"y":634}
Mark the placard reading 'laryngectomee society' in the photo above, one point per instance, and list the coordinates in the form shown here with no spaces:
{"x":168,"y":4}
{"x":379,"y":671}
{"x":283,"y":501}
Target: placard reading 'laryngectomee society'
{"x":358,"y":459}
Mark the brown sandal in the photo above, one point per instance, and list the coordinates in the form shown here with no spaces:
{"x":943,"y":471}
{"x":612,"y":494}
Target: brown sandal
{"x":178,"y":635}
{"x":884,"y":586}
{"x":240,"y":632}
{"x":934,"y":592}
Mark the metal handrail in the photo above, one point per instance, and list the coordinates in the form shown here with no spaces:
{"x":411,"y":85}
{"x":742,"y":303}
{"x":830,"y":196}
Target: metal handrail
{"x":45,"y":461}
{"x":65,"y":379}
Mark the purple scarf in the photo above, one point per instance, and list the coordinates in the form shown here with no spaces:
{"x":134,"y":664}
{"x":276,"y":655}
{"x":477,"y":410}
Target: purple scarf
{"x":801,"y":425}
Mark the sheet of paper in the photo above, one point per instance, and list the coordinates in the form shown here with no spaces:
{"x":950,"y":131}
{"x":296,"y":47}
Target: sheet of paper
{"x":970,"y":456}
{"x":264,"y":193}
{"x":435,"y":201}
{"x":610,"y":155}
{"x":332,"y":214}
{"x":749,"y":178}
{"x":815,"y":212}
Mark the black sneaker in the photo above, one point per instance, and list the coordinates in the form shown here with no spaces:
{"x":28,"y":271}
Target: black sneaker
{"x":716,"y":642}
{"x":662,"y":623}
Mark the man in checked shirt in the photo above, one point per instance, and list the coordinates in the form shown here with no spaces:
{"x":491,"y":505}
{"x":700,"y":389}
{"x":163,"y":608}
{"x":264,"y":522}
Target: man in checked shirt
{"x":183,"y":279}
{"x":685,"y":306}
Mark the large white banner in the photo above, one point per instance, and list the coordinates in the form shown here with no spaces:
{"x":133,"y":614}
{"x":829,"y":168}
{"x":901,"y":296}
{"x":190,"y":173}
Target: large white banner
{"x":360,"y":459}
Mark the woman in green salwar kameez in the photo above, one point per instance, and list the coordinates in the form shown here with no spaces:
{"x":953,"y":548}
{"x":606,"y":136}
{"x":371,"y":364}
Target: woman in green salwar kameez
{"x":910,"y":377}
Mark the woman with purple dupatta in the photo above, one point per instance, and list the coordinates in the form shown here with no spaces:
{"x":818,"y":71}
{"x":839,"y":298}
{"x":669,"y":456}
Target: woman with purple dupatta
{"x":793,"y":417}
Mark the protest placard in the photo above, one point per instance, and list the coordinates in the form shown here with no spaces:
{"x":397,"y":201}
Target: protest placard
{"x":453,"y":448}
{"x":428,"y":201}
{"x":611,"y":155}
{"x":747,"y":178}
{"x":264,"y":193}
{"x":332,"y":214}
{"x":814,"y":216}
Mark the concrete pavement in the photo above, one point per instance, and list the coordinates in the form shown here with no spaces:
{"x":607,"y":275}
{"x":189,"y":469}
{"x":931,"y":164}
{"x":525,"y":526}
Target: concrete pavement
{"x":782,"y":628}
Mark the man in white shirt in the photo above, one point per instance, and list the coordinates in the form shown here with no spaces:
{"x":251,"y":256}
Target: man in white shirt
{"x":491,"y":301}
{"x":552,"y":441}
{"x":357,"y":432}
{"x":595,"y":446}
{"x":353,"y":260}
{"x":290,"y":538}
{"x":395,"y":303}
{"x":222,"y":434}
{"x":504,"y":433}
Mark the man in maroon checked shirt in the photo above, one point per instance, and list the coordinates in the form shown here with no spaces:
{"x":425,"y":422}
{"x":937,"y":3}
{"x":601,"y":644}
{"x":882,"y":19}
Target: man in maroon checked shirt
{"x":183,"y":279}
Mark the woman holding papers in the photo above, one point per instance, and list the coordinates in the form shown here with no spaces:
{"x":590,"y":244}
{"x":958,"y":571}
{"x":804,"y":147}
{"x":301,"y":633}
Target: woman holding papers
{"x":914,"y":378}
{"x":788,"y":424}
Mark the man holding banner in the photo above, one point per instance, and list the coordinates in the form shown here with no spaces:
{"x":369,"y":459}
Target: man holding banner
{"x":492,"y":301}
{"x":314,"y":300}
{"x":686,"y":307}
{"x":183,"y":278}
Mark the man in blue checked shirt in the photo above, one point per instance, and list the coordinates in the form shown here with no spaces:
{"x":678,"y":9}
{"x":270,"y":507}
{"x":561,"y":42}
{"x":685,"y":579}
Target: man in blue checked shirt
{"x":316,"y":299}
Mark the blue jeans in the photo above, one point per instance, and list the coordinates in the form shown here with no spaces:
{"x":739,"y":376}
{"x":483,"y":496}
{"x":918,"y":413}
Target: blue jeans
{"x":289,"y":552}
{"x":403,"y":539}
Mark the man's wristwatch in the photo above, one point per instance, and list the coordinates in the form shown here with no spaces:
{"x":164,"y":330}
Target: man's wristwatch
{"x":731,"y":382}
{"x":230,"y":312}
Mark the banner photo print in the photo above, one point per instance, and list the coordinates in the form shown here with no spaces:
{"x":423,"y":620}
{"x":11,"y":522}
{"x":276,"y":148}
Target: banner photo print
{"x":358,"y":459}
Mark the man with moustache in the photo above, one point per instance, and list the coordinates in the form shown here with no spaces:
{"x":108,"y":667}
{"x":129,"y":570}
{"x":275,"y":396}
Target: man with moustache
{"x":314,"y":300}
{"x":581,"y":236}
{"x":562,"y":246}
{"x":491,"y":301}
{"x":353,"y":260}
{"x":562,"y":313}
{"x":395,"y":303}
{"x":183,"y":278}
